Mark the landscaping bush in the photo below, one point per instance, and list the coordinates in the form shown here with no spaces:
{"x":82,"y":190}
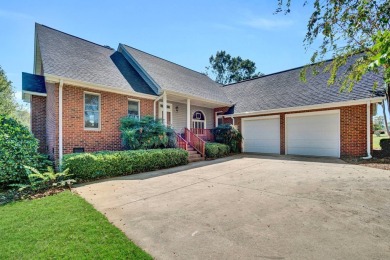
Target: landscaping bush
{"x":146,"y":133}
{"x":216,"y":150}
{"x":228,"y":134}
{"x":88,"y":166}
{"x":18,"y":148}
{"x":385,"y":145}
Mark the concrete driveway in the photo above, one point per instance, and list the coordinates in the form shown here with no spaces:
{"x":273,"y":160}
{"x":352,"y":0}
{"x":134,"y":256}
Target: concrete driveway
{"x":256,"y":207}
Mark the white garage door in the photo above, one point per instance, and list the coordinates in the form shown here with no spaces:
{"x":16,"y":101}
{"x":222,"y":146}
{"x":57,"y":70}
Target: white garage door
{"x":316,"y":133}
{"x":261,"y":135}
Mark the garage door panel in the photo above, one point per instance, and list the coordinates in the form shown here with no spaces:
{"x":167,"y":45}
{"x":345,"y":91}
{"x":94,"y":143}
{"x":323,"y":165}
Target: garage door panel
{"x":314,"y":134}
{"x":261,"y":135}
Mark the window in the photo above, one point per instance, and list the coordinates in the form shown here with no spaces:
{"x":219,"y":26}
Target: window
{"x":91,"y":111}
{"x":133,"y":108}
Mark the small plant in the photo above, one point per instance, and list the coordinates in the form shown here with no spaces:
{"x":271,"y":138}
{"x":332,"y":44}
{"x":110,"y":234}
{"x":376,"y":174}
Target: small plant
{"x":38,"y":181}
{"x":228,"y":134}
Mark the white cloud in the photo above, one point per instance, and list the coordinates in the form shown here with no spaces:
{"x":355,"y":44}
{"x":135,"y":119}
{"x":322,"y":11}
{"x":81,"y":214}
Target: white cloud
{"x":267,"y":24}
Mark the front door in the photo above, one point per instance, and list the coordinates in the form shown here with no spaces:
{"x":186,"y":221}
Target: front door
{"x":169,"y":113}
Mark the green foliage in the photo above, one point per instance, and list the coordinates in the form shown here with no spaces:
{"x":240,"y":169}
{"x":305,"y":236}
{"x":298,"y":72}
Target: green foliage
{"x":229,"y":135}
{"x":7,"y":100}
{"x":18,"y":147}
{"x":38,"y":181}
{"x":228,"y":69}
{"x":146,"y":133}
{"x":344,"y":29}
{"x":88,"y":166}
{"x":217,"y":150}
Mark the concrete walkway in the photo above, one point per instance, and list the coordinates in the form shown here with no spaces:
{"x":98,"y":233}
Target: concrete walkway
{"x":252,"y":207}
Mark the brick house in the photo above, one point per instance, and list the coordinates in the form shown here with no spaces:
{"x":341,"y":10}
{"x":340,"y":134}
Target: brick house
{"x":79,"y":90}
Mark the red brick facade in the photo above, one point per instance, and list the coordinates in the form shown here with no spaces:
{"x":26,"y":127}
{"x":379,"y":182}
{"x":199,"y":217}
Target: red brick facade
{"x":113,"y":107}
{"x":52,"y":120}
{"x":353,"y":128}
{"x":38,"y":120}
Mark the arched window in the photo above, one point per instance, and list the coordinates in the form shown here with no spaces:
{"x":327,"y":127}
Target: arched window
{"x":198,"y":120}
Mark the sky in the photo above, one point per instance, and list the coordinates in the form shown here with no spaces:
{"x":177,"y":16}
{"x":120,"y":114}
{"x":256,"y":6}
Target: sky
{"x":184,"y":32}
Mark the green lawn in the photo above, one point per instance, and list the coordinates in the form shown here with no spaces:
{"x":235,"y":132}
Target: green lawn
{"x":61,"y":226}
{"x":376,"y":140}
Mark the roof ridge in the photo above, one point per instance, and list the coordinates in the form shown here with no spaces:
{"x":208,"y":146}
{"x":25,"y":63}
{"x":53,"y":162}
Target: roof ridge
{"x":100,"y":45}
{"x":165,"y":60}
{"x":278,"y":72}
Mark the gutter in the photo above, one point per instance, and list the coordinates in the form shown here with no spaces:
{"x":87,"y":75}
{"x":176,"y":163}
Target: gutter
{"x":369,"y":156}
{"x":154,"y":104}
{"x":60,"y":145}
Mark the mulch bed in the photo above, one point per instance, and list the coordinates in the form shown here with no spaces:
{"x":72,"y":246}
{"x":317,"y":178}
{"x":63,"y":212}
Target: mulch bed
{"x":378,"y":161}
{"x":14,"y":195}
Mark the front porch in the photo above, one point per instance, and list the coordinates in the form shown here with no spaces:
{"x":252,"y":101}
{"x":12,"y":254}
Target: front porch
{"x":191,"y":119}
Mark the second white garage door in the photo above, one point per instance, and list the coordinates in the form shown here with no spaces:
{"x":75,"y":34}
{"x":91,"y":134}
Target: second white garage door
{"x":261,"y":135}
{"x":313,"y":133}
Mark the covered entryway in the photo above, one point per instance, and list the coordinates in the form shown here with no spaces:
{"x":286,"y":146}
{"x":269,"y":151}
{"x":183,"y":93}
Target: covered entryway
{"x":261,"y":134}
{"x":313,"y":133}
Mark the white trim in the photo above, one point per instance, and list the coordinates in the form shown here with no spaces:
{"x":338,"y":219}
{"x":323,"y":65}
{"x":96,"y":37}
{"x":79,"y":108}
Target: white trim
{"x":60,"y":139}
{"x":260,"y":117}
{"x":139,"y":106}
{"x":311,"y":107}
{"x":198,"y":120}
{"x":83,"y":84}
{"x":368,"y":113}
{"x":188,"y":119}
{"x":327,"y":112}
{"x":198,"y":98}
{"x":100,"y":110}
{"x":34,"y":93}
{"x":154,"y":106}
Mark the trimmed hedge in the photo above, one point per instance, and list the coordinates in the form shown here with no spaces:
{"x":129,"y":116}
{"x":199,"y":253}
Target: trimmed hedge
{"x":217,"y":150}
{"x":88,"y":166}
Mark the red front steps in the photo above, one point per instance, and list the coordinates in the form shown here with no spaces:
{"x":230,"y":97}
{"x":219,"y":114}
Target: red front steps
{"x":193,"y":155}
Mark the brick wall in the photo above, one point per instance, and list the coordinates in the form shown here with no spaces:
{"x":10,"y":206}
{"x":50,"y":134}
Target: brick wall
{"x":113,"y":107}
{"x":353,"y":127}
{"x":52,"y":120}
{"x":38,"y":121}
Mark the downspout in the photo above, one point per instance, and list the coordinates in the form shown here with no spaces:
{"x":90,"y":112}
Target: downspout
{"x":60,"y":151}
{"x":154,"y":105}
{"x":369,"y":156}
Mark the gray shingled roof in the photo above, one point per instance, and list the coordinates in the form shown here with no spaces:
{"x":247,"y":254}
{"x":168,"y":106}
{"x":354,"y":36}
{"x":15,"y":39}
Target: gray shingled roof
{"x":286,"y":90}
{"x":173,"y":77}
{"x":68,"y":56}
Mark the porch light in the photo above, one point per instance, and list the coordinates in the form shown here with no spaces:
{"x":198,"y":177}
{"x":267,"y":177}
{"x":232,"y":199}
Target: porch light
{"x":177,"y":108}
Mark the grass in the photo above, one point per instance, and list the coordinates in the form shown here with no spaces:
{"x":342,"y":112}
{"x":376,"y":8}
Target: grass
{"x":61,"y":226}
{"x":376,"y":140}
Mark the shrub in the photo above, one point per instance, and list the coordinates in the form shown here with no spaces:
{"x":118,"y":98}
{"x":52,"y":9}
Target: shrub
{"x":38,"y":181}
{"x":18,"y":147}
{"x":88,"y":166}
{"x":217,"y":150}
{"x":385,"y":145}
{"x":228,"y":134}
{"x":146,"y":133}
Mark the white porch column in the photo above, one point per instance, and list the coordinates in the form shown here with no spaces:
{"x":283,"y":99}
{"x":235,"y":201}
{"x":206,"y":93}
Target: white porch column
{"x":165,"y":121}
{"x":188,"y":113}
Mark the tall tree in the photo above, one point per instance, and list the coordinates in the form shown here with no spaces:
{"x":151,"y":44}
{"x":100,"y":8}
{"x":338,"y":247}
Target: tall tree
{"x":227,"y":69}
{"x":7,"y":101}
{"x":344,"y":28}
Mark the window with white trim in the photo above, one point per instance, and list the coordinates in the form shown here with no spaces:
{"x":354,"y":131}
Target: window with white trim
{"x":133,"y":108}
{"x":198,"y":120}
{"x":91,"y":111}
